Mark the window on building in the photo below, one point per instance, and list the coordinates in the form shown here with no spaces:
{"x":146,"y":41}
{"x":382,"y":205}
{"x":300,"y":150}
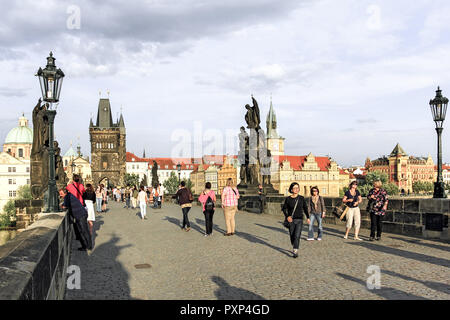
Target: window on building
{"x":12,"y":193}
{"x":324,"y":191}
{"x":20,"y":153}
{"x":11,"y":181}
{"x":28,"y":169}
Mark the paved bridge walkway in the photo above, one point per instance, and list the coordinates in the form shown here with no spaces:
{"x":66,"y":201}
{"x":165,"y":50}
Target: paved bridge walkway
{"x":253,"y":264}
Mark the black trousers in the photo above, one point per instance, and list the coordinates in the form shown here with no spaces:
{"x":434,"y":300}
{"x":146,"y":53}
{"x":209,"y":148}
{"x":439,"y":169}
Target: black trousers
{"x":208,"y":221}
{"x":375,"y":224}
{"x":295,"y":231}
{"x":82,"y":232}
{"x":186,"y":217}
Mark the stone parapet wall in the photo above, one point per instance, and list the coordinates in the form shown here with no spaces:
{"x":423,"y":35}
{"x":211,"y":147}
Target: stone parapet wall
{"x":414,"y":217}
{"x":33,"y":265}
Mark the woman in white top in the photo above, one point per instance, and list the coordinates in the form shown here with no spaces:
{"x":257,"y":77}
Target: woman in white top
{"x":90,"y":198}
{"x":142,"y":198}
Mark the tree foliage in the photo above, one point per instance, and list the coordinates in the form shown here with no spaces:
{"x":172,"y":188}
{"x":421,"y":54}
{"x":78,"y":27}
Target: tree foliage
{"x":373,"y":176}
{"x":8,"y":218}
{"x":422,"y":186}
{"x":131,"y":179}
{"x":171,"y":184}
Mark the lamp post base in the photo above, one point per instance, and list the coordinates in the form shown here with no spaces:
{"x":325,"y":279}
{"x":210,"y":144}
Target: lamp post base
{"x":439,"y":190}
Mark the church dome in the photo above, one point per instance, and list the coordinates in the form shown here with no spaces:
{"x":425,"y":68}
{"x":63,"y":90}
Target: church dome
{"x":21,"y":134}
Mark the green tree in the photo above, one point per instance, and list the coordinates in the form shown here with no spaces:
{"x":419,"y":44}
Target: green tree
{"x":373,"y":176}
{"x":155,"y":179}
{"x":391,"y":189}
{"x":171,"y":183}
{"x":131,"y":179}
{"x":24,"y":192}
{"x":8,"y":218}
{"x":364,"y":189}
{"x":144,"y":181}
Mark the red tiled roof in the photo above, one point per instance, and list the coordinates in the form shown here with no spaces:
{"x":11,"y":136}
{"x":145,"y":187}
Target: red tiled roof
{"x":186,"y":163}
{"x":296,"y":162}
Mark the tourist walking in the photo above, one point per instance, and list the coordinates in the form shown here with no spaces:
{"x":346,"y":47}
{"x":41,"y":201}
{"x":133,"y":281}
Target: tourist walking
{"x":230,"y":197}
{"x":155,"y":196}
{"x":89,"y":198}
{"x":352,"y":199}
{"x":127,"y":196}
{"x":185,"y":199}
{"x":142,"y":197}
{"x":134,"y":197}
{"x":104,"y":198}
{"x":378,"y":202}
{"x":316,"y":210}
{"x":208,"y":200}
{"x":99,"y":197}
{"x":293,"y":209}
{"x":160,"y":195}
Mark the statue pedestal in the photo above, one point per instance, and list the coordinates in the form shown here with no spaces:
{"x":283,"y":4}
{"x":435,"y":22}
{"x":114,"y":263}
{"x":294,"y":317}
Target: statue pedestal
{"x":251,"y":201}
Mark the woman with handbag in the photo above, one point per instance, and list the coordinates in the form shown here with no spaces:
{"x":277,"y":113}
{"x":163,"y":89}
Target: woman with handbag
{"x":293,"y":208}
{"x":352,"y":199}
{"x":230,"y":197}
{"x":185,"y":199}
{"x":378,"y":201}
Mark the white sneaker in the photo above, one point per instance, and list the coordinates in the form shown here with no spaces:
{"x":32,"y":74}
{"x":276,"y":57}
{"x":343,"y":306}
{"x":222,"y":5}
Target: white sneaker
{"x":310,"y":239}
{"x":319,"y":239}
{"x":345,"y":237}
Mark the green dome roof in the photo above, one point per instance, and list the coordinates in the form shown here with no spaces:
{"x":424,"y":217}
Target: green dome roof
{"x":70,"y":153}
{"x":21,"y":134}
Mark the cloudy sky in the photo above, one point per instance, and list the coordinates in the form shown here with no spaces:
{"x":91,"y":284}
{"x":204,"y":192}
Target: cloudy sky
{"x":348,"y":78}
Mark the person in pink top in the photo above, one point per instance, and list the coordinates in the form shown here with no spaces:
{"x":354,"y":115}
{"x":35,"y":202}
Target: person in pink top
{"x":208,"y":199}
{"x":230,"y":197}
{"x":76,"y":188}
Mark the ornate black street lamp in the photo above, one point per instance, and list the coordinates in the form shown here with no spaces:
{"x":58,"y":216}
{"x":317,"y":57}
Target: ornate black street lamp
{"x":438,"y":109}
{"x":50,"y":79}
{"x":179,"y":173}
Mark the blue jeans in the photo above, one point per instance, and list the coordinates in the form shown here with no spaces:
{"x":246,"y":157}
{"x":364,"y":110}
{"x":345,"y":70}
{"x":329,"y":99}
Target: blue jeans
{"x":98,"y":202}
{"x":313,"y":217}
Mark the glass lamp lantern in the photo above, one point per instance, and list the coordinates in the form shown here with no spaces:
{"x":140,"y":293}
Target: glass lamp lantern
{"x":50,"y":80}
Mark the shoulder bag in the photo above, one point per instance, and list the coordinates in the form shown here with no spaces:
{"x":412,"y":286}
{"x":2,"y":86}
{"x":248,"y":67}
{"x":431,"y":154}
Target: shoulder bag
{"x":286,"y":223}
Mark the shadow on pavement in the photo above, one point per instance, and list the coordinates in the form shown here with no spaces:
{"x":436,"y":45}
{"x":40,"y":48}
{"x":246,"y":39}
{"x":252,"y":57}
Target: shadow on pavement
{"x":228,"y":292}
{"x":386,"y":293}
{"x":438,"y":286}
{"x":403,"y":253}
{"x":419,"y":242}
{"x":102,"y":276}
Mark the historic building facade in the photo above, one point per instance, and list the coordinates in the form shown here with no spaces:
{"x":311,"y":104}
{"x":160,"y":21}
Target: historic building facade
{"x":75,"y":163}
{"x":19,"y":140}
{"x":308,"y":171}
{"x":404,"y":170}
{"x":15,"y":161}
{"x":228,"y":170}
{"x":108,"y":147}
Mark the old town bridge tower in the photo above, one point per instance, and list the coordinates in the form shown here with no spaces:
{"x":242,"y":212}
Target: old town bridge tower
{"x":108,"y":147}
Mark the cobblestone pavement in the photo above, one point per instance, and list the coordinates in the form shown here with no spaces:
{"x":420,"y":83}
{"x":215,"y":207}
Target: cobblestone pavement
{"x":253,"y":264}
